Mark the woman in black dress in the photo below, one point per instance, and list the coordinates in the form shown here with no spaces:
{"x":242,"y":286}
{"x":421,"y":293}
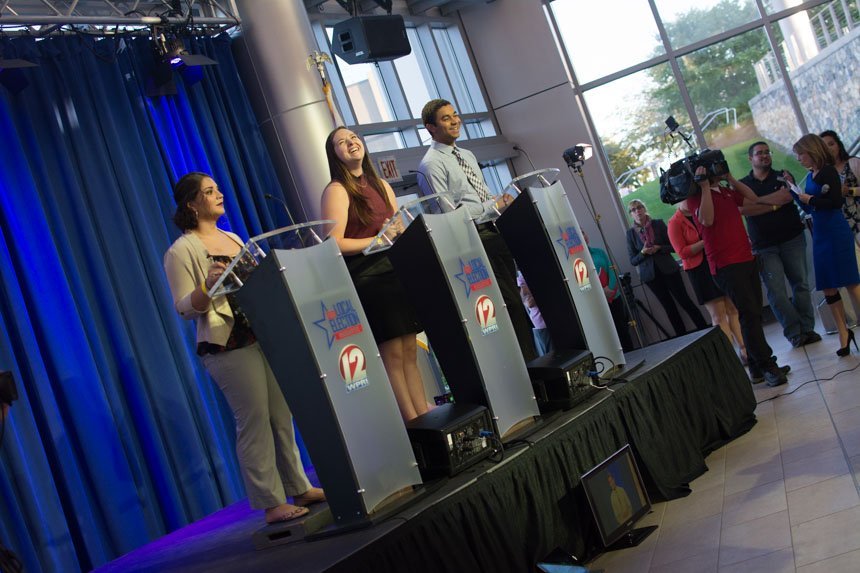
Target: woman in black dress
{"x":360,"y":203}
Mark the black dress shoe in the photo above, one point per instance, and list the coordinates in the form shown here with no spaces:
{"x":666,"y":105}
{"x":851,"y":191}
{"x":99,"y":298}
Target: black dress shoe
{"x":797,"y":340}
{"x":775,"y":377}
{"x":811,"y":337}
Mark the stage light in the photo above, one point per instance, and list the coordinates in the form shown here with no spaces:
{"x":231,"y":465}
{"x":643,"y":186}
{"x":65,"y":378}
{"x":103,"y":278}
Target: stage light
{"x":11,"y":76}
{"x":577,"y":155}
{"x":170,"y":55}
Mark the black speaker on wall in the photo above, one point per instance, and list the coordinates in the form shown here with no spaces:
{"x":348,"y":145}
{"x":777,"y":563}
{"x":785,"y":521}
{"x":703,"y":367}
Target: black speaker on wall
{"x":370,"y":39}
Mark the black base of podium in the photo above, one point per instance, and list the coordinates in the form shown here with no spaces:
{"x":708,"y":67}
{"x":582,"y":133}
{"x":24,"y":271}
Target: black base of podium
{"x":319,"y":523}
{"x":285,"y":532}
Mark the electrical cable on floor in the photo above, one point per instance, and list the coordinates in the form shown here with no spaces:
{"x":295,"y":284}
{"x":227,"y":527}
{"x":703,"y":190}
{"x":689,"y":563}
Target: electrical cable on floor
{"x":793,"y":390}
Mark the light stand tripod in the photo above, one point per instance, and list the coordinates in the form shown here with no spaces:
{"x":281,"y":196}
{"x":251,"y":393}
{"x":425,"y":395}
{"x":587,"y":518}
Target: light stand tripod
{"x":575,"y":157}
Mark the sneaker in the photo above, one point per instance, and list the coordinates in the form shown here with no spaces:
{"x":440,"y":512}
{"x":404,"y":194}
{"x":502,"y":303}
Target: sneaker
{"x":775,"y":377}
{"x":811,"y":337}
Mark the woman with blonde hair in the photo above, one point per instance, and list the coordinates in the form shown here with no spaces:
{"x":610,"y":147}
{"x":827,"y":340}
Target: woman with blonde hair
{"x":832,"y":240}
{"x":651,"y":253}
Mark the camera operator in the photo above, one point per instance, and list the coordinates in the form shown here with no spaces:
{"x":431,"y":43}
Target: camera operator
{"x":779,"y":243}
{"x":731,"y":260}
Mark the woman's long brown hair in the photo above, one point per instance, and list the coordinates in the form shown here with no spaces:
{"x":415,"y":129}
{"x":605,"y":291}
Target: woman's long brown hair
{"x":338,"y":172}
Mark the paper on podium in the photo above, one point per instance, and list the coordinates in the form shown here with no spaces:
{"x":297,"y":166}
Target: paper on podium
{"x":255,"y":250}
{"x":434,"y":204}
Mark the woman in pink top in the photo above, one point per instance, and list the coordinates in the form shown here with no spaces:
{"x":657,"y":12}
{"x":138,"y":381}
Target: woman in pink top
{"x":689,"y":245}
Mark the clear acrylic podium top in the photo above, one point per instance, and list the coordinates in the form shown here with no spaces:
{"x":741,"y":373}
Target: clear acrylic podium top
{"x":539,"y":178}
{"x":255,"y":250}
{"x":493,"y":208}
{"x":434,"y":204}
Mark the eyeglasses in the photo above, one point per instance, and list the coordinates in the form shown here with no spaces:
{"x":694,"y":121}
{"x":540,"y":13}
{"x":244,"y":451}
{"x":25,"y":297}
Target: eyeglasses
{"x":762,"y":153}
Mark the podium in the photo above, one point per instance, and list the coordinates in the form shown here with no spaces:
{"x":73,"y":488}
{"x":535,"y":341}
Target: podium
{"x":441,"y":261}
{"x":306,"y":315}
{"x":545,"y":238}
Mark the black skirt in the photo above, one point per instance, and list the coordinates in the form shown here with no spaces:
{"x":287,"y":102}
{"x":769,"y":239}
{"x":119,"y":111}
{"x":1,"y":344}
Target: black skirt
{"x":385,"y":301}
{"x":703,"y":283}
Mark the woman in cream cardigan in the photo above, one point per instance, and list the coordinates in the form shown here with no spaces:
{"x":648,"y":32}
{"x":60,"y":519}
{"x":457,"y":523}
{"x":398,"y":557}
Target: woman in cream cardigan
{"x":687,"y":242}
{"x":265,"y":441}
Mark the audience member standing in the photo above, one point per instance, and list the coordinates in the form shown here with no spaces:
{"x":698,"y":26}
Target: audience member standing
{"x":612,"y":291}
{"x":688,"y":243}
{"x":650,"y":251}
{"x":779,"y":242}
{"x":832,"y":241}
{"x":542,"y":339}
{"x":848,"y":168}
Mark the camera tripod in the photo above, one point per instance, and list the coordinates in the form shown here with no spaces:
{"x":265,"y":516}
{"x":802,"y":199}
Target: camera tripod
{"x":627,"y":293}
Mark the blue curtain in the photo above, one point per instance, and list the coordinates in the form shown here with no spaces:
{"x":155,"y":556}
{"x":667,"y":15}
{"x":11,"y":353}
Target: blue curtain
{"x":119,"y":436}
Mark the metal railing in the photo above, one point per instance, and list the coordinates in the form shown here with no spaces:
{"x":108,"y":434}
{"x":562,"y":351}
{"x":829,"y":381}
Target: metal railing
{"x":709,"y":117}
{"x":829,"y":23}
{"x":623,"y":178}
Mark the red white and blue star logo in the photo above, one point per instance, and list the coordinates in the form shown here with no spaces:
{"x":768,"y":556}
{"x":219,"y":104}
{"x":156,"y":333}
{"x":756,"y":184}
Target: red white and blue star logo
{"x":339,"y":322}
{"x":473,"y":275}
{"x":570,"y":241}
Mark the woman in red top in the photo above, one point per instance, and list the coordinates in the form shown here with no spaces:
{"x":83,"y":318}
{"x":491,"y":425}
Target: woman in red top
{"x":360,"y":203}
{"x":688,"y":243}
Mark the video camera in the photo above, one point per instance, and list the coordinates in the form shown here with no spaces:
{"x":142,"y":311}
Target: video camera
{"x":679,"y":182}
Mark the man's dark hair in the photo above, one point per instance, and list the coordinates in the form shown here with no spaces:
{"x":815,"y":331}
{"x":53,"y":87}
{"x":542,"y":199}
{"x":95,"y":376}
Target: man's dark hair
{"x":428,"y":113}
{"x":754,"y":145}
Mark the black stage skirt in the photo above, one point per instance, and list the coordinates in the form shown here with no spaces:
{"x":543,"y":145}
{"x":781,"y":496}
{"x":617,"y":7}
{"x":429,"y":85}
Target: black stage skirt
{"x":703,"y":283}
{"x":383,"y":297}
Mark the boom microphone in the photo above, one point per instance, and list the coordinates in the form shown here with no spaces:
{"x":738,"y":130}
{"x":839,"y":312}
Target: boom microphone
{"x":284,"y":203}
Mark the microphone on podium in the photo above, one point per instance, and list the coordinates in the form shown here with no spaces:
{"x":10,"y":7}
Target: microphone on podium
{"x":523,"y":151}
{"x":284,"y":204}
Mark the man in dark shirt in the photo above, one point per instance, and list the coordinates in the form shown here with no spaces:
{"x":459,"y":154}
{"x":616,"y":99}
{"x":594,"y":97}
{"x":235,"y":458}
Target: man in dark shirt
{"x":779,"y":242}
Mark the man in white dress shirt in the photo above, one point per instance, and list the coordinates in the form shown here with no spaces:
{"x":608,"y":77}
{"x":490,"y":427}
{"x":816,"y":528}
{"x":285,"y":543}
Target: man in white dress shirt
{"x":448,"y":168}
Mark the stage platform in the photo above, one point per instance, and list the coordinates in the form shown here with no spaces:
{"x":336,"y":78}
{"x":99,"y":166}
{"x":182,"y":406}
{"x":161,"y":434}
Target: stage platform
{"x":690,"y":396}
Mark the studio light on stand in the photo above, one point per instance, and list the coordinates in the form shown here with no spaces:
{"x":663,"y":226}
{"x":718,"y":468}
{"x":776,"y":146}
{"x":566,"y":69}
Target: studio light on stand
{"x":575,"y":157}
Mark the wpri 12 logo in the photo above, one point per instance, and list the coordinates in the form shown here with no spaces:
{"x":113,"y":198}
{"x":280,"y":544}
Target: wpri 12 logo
{"x":353,"y":367}
{"x":473,"y":275}
{"x":580,"y":273}
{"x":485,"y":311}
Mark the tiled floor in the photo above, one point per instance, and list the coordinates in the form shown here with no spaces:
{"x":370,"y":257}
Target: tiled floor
{"x":782,"y":498}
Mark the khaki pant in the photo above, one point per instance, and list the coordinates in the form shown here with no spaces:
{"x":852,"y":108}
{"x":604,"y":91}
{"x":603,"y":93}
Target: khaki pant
{"x":265,"y":440}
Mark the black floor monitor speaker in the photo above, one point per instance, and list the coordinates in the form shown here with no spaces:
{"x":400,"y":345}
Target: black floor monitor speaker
{"x":370,"y":39}
{"x":450,"y":438}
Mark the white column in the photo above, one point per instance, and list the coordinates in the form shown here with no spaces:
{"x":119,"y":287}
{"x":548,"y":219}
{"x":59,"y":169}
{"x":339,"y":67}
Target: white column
{"x":797,"y":33}
{"x":287,"y":97}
